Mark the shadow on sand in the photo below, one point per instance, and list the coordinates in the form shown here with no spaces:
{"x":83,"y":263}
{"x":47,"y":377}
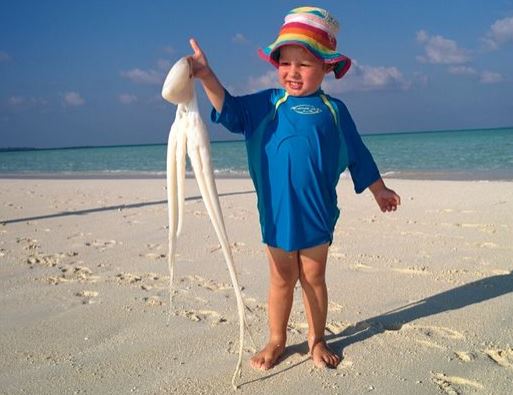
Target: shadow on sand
{"x":108,"y":208}
{"x":453,"y":299}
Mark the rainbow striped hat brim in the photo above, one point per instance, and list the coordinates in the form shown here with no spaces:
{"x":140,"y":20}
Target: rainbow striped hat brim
{"x":313,"y":29}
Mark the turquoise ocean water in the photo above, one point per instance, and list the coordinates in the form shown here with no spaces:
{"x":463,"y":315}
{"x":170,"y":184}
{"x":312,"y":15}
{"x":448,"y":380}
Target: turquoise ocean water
{"x":466,"y":154}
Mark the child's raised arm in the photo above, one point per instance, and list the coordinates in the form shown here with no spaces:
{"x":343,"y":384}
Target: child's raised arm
{"x":201,"y":70}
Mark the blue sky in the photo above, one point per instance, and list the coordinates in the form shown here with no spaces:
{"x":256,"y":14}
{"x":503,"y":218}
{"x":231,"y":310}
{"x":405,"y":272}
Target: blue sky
{"x":76,"y":73}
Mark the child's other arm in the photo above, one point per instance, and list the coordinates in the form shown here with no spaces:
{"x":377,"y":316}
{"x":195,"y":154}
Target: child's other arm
{"x":201,"y":70}
{"x":386,"y":198}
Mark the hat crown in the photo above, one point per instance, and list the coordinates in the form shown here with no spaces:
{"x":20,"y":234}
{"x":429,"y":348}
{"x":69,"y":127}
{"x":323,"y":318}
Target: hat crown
{"x":316,"y":17}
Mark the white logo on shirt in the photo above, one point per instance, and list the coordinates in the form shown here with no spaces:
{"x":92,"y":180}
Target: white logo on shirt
{"x":306,"y":109}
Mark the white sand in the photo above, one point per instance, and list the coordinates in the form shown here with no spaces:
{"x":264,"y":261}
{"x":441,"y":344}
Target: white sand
{"x":421,"y":300}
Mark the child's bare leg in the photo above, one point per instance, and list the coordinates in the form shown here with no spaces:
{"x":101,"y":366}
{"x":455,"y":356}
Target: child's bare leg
{"x":312,"y":270}
{"x":283,"y":273}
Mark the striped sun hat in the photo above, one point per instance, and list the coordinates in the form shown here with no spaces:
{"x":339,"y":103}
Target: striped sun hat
{"x":313,"y":29}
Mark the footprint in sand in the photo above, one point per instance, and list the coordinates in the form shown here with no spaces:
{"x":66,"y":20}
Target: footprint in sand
{"x":13,"y":206}
{"x":413,"y":270}
{"x":253,"y":306}
{"x":438,"y":332}
{"x":102,"y":245}
{"x":49,"y":260}
{"x":361,"y":266}
{"x":485,"y":228}
{"x":297,"y":327}
{"x":153,"y":301}
{"x":131,"y":221}
{"x":337,"y":255}
{"x":332,"y":306}
{"x":128,"y":278}
{"x":451,"y":385}
{"x":203,"y":315}
{"x":488,"y":244}
{"x":235,"y":246}
{"x":336,"y":327}
{"x":502,"y":357}
{"x":239,"y":214}
{"x":71,"y":273}
{"x":153,"y":254}
{"x":78,"y":235}
{"x":146,"y":281}
{"x":28,"y":243}
{"x":87,"y":296}
{"x":42,"y":260}
{"x":206,"y":283}
{"x":434,"y":335}
{"x":465,"y":356}
{"x":198,"y":213}
{"x":430,"y":344}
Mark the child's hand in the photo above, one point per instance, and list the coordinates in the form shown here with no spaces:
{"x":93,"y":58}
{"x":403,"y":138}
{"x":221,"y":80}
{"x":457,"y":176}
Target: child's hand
{"x":198,"y":61}
{"x":200,"y":69}
{"x":386,"y":198}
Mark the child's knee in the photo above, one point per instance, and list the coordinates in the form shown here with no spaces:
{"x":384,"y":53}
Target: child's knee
{"x":312,"y":278}
{"x":284,"y":278}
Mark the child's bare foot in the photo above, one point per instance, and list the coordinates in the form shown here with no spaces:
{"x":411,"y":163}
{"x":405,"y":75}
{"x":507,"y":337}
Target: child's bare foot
{"x":267,"y":357}
{"x":322,"y":356}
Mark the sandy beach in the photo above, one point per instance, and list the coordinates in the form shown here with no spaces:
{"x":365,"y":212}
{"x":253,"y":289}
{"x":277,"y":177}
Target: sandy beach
{"x":421,"y":300}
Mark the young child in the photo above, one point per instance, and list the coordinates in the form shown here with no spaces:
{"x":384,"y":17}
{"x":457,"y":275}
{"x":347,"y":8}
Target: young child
{"x":299,"y":140}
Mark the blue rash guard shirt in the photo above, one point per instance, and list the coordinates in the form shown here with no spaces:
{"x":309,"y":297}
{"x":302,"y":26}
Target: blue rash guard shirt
{"x":297,"y":148}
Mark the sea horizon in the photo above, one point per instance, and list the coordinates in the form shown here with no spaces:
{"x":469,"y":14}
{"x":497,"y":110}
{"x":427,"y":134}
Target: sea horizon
{"x":231,"y":140}
{"x":458,"y":154}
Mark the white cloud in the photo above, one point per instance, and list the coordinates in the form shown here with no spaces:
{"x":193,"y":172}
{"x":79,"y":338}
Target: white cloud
{"x":265,"y":81}
{"x":500,"y":33}
{"x":239,"y":38}
{"x":422,"y":36}
{"x":4,"y":57}
{"x":169,"y":50}
{"x":462,"y":70}
{"x":382,"y":77}
{"x":143,"y":76}
{"x":368,"y":78}
{"x":126,"y":98}
{"x":16,"y":100}
{"x":440,"y":50}
{"x":489,"y":77}
{"x":164,"y":64}
{"x":73,"y":99}
{"x":359,"y":78}
{"x":485,"y":77}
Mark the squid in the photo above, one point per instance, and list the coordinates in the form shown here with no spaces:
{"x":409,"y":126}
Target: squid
{"x":188,"y":134}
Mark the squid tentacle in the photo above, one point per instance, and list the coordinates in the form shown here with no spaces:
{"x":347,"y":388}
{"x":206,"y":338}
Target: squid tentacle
{"x":180,"y":164}
{"x":200,"y":163}
{"x":172,"y":203}
{"x":189,"y":135}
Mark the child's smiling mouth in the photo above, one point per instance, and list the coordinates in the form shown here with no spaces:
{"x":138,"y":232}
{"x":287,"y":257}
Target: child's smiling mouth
{"x":295,"y":84}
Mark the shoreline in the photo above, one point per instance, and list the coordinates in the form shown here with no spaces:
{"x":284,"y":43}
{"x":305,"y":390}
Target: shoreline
{"x":486,"y":175}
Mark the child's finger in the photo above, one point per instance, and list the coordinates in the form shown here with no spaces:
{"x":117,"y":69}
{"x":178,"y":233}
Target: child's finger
{"x":195,"y":47}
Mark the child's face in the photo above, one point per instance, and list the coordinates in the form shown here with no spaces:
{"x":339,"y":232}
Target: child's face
{"x":299,"y":72}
